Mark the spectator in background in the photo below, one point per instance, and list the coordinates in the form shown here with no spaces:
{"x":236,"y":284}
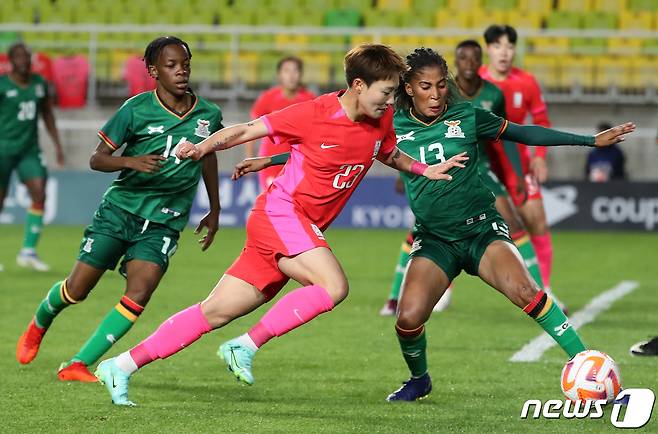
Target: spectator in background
{"x":289,"y":91}
{"x":70,"y":76}
{"x":605,"y":164}
{"x":138,"y":78}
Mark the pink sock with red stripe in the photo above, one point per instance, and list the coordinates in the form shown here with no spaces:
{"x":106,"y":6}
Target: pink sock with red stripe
{"x":294,"y":309}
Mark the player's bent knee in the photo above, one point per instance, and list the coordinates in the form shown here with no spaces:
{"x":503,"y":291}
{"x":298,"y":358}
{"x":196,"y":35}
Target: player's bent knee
{"x":524,"y":293}
{"x":412,"y":317}
{"x":338,"y":291}
{"x":215,"y":316}
{"x":77,"y":290}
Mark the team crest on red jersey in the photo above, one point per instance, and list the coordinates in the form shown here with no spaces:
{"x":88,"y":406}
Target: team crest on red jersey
{"x":378,"y":144}
{"x":454,"y":130}
{"x":201,"y":129}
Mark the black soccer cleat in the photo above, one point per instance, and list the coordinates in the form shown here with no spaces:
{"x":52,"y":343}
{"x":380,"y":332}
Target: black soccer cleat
{"x":413,"y":389}
{"x":646,"y":348}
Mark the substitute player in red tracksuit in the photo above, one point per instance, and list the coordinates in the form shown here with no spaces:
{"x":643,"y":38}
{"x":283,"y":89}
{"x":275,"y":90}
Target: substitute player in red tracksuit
{"x":523,"y":97}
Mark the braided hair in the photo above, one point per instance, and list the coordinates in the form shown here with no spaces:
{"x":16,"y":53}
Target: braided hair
{"x":422,"y":58}
{"x":154,"y":49}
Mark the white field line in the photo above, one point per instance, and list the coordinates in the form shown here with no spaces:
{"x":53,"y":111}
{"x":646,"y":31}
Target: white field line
{"x":533,"y":350}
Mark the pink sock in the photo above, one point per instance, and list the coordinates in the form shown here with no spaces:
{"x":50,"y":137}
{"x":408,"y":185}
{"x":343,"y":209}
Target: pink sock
{"x":176,"y":333}
{"x":294,"y":309}
{"x":544,"y":250}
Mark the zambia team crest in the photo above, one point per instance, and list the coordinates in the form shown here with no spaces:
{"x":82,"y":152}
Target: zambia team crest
{"x":201,"y":129}
{"x":454,"y":130}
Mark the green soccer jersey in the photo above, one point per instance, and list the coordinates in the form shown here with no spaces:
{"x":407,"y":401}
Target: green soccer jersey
{"x":491,"y":99}
{"x":19,"y":113}
{"x":450,"y":210}
{"x":146,"y":126}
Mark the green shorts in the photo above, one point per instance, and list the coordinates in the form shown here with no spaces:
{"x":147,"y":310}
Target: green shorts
{"x":29,"y":165}
{"x":116,"y":233}
{"x":454,"y":256}
{"x":492,"y":182}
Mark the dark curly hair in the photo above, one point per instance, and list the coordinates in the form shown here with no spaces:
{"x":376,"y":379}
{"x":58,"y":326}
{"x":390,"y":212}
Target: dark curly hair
{"x":154,"y":49}
{"x":422,"y":58}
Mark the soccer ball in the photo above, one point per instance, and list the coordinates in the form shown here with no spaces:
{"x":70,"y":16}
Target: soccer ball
{"x":591,"y":375}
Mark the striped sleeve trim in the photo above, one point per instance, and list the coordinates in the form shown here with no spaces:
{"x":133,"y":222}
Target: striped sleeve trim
{"x":503,"y":127}
{"x":107,"y":140}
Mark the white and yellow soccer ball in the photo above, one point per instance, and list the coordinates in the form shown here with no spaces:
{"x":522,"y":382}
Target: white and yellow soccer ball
{"x":591,"y":375}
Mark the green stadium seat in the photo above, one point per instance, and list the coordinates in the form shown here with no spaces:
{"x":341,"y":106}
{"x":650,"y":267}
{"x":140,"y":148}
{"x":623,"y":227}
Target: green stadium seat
{"x":542,"y":6}
{"x":429,"y":6}
{"x":624,"y":46}
{"x":271,"y":17}
{"x":599,"y":20}
{"x":563,"y":20}
{"x":267,"y":68}
{"x":643,"y":5}
{"x":481,"y":19}
{"x":417,"y":18}
{"x":320,"y":5}
{"x":525,"y":19}
{"x":635,"y":20}
{"x":463,"y":4}
{"x":646,"y":71}
{"x":506,"y":5}
{"x":247,"y":68}
{"x":289,"y":5}
{"x":306,"y":17}
{"x":235,"y":17}
{"x":381,"y":18}
{"x":589,"y":45}
{"x":317,"y":68}
{"x":359,"y":5}
{"x":198,"y":15}
{"x":291,"y":42}
{"x":207,"y":67}
{"x":614,"y":6}
{"x":650,"y":47}
{"x":342,"y":18}
{"x":576,"y":70}
{"x":548,"y":45}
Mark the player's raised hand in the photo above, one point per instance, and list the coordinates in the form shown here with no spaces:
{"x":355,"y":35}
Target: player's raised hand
{"x":211,"y":222}
{"x":249,"y":165}
{"x":438,"y":171}
{"x":147,"y":163}
{"x":187,"y":150}
{"x":613,"y":135}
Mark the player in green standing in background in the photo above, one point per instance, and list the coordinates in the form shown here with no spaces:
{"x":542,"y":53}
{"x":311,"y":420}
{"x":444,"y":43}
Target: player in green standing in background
{"x":144,"y":210}
{"x":23,"y":96}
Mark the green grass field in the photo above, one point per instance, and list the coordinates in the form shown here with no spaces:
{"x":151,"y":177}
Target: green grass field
{"x":333,"y":374}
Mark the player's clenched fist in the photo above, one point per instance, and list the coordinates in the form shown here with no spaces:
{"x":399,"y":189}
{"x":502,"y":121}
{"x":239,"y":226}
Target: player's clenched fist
{"x":188,"y":151}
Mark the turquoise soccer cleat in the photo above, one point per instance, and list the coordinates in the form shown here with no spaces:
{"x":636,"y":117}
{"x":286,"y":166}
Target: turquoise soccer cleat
{"x":115,"y":380}
{"x":238,"y":358}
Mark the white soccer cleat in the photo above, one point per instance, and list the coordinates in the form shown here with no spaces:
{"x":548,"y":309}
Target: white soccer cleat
{"x":444,"y":301}
{"x":30,"y":259}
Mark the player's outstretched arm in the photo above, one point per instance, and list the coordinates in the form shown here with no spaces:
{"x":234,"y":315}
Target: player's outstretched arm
{"x":400,"y":161}
{"x":223,"y":139}
{"x":211,"y":220}
{"x":103,"y":161}
{"x":535,"y":135}
{"x":257,"y":164}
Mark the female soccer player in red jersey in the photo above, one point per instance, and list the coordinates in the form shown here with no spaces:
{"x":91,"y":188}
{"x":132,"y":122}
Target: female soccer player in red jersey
{"x":334,"y":141}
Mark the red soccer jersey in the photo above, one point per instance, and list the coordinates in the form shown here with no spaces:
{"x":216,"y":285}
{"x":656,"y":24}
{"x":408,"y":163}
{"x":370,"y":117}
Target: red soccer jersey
{"x":522,"y":97}
{"x":270,"y":101}
{"x":70,"y":74}
{"x":138,"y":78}
{"x":329,"y":157}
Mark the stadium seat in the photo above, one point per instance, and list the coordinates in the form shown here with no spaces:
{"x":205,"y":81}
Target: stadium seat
{"x":464,"y":5}
{"x":646,"y":69}
{"x":610,"y":71}
{"x":317,"y":68}
{"x":541,"y":6}
{"x":381,"y":18}
{"x":271,"y":17}
{"x":358,"y":5}
{"x":453,"y":19}
{"x":394,"y":5}
{"x":288,"y":5}
{"x":234,"y":17}
{"x":267,"y":68}
{"x":650,"y":47}
{"x":320,"y":5}
{"x":429,"y":6}
{"x":402,"y":44}
{"x":342,"y":18}
{"x":415,"y":18}
{"x":544,"y":68}
{"x":635,"y":20}
{"x":599,"y":20}
{"x":291,"y":42}
{"x":588,"y":45}
{"x":506,"y":5}
{"x":624,"y":46}
{"x":247,"y":68}
{"x":614,"y":6}
{"x":563,"y":20}
{"x":548,"y":45}
{"x":643,"y":5}
{"x":525,"y":19}
{"x":481,"y":19}
{"x":574,"y":5}
{"x":306,"y":17}
{"x":576,"y":70}
{"x":198,"y":15}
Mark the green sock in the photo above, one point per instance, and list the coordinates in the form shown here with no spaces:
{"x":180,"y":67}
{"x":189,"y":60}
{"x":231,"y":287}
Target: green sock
{"x":116,"y":324}
{"x":557,"y":325}
{"x":403,"y":259}
{"x":414,"y":352}
{"x":33,"y":225}
{"x":529,"y":258}
{"x":56,"y":300}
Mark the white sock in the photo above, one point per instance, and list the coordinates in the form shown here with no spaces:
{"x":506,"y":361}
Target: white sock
{"x":246,"y":341}
{"x":126,"y":363}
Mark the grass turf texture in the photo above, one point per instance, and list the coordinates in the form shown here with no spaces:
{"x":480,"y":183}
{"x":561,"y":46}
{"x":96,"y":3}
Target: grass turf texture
{"x":333,"y":374}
